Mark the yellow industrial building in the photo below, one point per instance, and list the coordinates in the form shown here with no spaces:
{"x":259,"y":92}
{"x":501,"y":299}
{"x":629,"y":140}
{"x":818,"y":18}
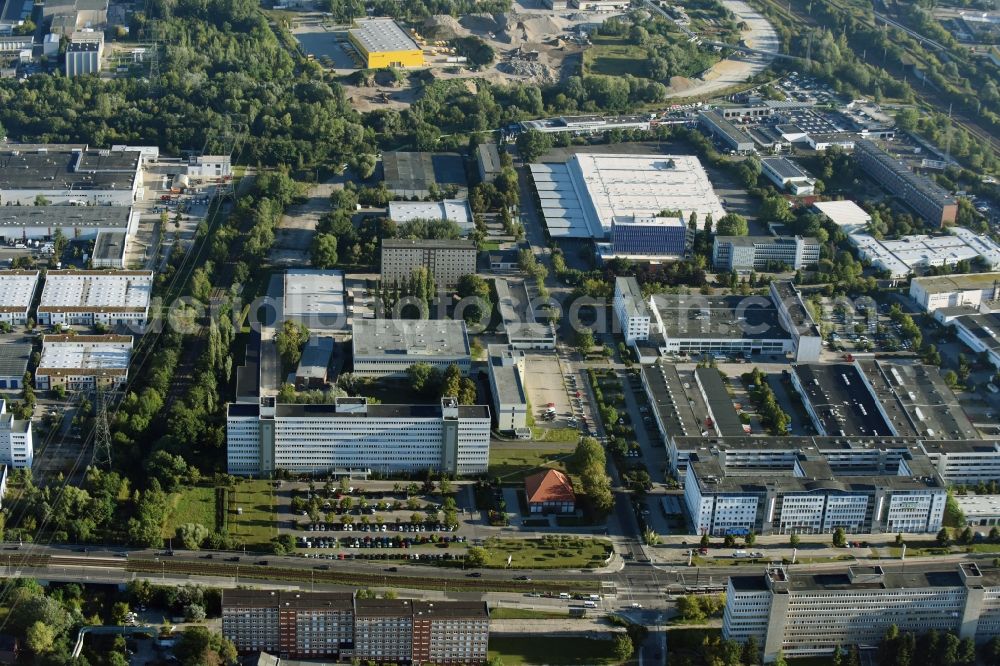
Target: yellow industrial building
{"x":382,"y":43}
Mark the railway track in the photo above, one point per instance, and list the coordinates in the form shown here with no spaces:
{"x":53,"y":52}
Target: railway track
{"x":933,"y":99}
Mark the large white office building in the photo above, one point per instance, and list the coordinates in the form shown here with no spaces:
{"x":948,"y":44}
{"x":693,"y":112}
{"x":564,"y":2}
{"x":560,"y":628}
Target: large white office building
{"x":804,"y":613}
{"x":353,"y":435}
{"x":86,"y":298}
{"x":631,"y":310}
{"x":948,"y":291}
{"x":814,"y":494}
{"x":771,"y":253}
{"x":16,"y":448}
{"x":388,"y":347}
{"x":581,"y":198}
{"x":17,"y":290}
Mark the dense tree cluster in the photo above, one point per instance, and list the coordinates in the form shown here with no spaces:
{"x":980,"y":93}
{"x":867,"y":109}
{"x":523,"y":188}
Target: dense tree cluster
{"x":590,"y":463}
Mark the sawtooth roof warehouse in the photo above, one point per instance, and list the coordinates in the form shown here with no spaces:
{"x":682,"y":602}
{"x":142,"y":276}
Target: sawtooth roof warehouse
{"x":581,"y":197}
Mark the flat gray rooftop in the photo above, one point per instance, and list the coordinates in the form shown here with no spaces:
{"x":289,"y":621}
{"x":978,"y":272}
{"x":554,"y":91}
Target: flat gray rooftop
{"x":841,"y":400}
{"x":71,"y":170}
{"x":417,"y":338}
{"x":917,"y":400}
{"x":14,"y":357}
{"x":678,"y":403}
{"x":110,"y":245}
{"x":720,"y":404}
{"x":694,"y":316}
{"x":510,"y":388}
{"x":64,"y":217}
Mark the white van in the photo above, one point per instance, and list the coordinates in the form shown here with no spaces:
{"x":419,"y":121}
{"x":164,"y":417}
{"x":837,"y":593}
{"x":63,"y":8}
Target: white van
{"x":589,"y":604}
{"x":564,"y":595}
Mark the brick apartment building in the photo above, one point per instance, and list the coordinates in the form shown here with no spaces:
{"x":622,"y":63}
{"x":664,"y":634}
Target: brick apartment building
{"x":303,"y":625}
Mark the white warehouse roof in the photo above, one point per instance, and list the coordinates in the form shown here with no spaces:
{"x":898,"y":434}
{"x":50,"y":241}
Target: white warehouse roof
{"x":581,"y":197}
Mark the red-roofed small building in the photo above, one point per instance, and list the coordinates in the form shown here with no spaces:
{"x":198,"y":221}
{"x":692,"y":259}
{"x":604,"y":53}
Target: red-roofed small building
{"x":550,"y":492}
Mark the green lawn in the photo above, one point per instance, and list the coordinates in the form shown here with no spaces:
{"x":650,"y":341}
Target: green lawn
{"x":552,"y":650}
{"x":512,"y":464}
{"x":190,"y":505}
{"x":563,"y":552}
{"x":611,"y":56}
{"x":525,"y":614}
{"x":257,"y":524}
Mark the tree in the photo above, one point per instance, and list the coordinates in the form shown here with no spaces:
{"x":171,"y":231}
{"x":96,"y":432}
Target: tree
{"x":41,"y":200}
{"x":705,"y":541}
{"x":966,"y":537}
{"x":943,"y":537}
{"x":198,"y":646}
{"x":750,"y":539}
{"x":476,"y":556}
{"x":751,"y":652}
{"x":40,"y":638}
{"x":166,"y":468}
{"x":732,"y":224}
{"x":623,"y":647}
{"x":839,"y":537}
{"x":425,"y":379}
{"x":324,"y":251}
{"x":779,"y":660}
{"x":192,"y":535}
{"x":194,"y":613}
{"x":119,"y":613}
{"x":532,"y":144}
{"x":584,"y":341}
{"x":290,"y":340}
{"x":794,"y":540}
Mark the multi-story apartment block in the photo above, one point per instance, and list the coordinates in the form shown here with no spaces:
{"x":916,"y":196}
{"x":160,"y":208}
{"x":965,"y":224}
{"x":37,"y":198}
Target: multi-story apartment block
{"x":16,"y":446}
{"x":447,"y":260}
{"x":748,"y":253}
{"x":314,"y":625}
{"x":927,"y":198}
{"x":295,"y":625}
{"x":803,"y":613}
{"x":87,"y":298}
{"x":353,"y":435}
{"x":812,"y":495}
{"x":631,"y":310}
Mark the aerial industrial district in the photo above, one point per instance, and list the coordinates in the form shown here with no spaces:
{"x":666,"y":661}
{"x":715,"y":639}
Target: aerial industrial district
{"x":587,"y":333}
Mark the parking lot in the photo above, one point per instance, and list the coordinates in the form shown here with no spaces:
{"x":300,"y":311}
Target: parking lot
{"x":375,"y":520}
{"x":547,"y":389}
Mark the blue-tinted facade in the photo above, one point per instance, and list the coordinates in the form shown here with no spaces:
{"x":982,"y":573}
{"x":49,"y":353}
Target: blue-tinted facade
{"x":649,"y":238}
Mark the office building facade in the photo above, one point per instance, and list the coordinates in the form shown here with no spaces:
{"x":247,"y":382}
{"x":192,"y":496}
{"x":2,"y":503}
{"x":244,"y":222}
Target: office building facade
{"x":802,"y":614}
{"x":927,"y":198}
{"x":16,"y":444}
{"x":814,"y":494}
{"x":353,"y":435}
{"x":83,"y":53}
{"x":659,"y":237}
{"x":757,"y":253}
{"x":949,"y":291}
{"x":631,"y":310}
{"x":447,"y":260}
